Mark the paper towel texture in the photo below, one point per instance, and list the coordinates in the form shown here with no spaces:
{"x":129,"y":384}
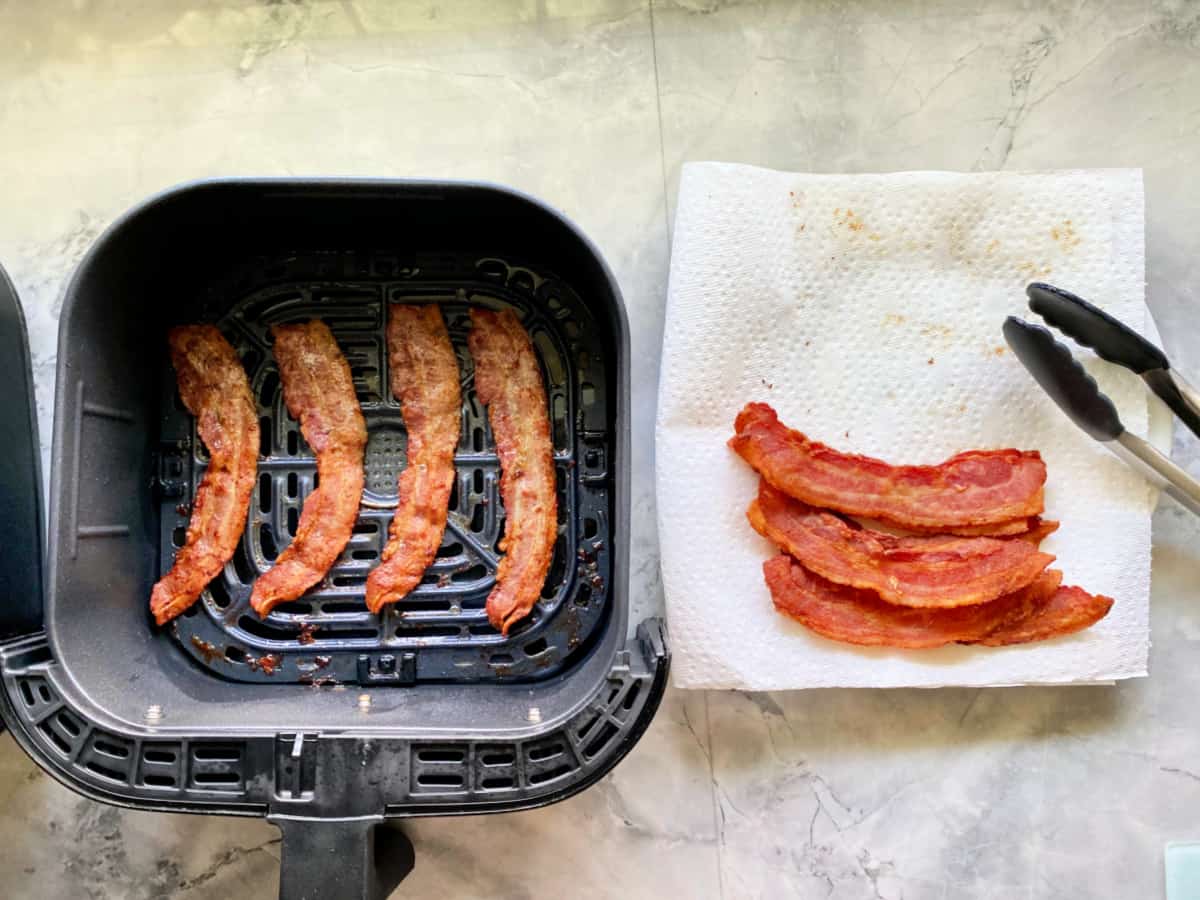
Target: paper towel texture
{"x":867,"y":310}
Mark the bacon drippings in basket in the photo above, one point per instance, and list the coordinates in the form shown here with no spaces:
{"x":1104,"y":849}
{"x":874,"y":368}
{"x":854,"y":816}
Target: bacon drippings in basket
{"x":319,"y":391}
{"x":214,"y":388}
{"x":979,"y":487}
{"x":424,"y":376}
{"x":508,"y":380}
{"x":922,"y":571}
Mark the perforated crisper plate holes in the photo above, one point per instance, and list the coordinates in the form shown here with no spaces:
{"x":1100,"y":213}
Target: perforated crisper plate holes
{"x":384,"y":460}
{"x":328,"y":635}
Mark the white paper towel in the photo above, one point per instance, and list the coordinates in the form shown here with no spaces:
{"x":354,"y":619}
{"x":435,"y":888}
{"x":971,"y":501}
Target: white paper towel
{"x":867,"y":310}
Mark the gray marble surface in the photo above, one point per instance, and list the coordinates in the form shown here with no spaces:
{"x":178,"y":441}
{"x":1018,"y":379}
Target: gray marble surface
{"x":593,"y":105}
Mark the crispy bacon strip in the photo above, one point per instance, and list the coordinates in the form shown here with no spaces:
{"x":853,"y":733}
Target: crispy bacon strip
{"x":979,"y":487}
{"x":855,"y":616}
{"x":508,"y":380}
{"x":1032,"y":528}
{"x":319,"y":391}
{"x":214,"y":388}
{"x":1067,"y":610}
{"x":424,"y":376}
{"x":1039,"y":529}
{"x":923,"y":571}
{"x":1011,"y":528}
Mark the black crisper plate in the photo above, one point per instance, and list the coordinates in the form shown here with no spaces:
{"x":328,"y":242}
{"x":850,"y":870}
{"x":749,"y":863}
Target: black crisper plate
{"x":440,"y":632}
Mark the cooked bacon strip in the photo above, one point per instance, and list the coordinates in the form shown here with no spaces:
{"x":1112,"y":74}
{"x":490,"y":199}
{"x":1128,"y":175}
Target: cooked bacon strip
{"x":1033,"y":529}
{"x":508,"y":380}
{"x":1067,"y":610}
{"x":979,"y":487}
{"x":424,"y":376}
{"x":319,"y":392}
{"x":855,"y":616}
{"x":214,"y":388}
{"x":925,"y":571}
{"x":1039,"y":529}
{"x":1011,"y":528}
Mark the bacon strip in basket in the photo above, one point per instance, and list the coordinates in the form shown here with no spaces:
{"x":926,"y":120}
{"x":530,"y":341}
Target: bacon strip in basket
{"x":319,"y":391}
{"x":508,"y":380}
{"x":979,"y":487}
{"x":1042,"y":610}
{"x":922,"y":571}
{"x":214,"y":388}
{"x":424,"y":376}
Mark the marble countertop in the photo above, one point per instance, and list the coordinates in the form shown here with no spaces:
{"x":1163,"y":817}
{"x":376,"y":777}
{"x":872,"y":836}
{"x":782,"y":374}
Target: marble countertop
{"x":593,"y":105}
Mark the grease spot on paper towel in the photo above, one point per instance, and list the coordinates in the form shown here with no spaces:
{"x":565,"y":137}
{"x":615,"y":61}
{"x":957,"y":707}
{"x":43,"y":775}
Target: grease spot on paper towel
{"x":1065,"y":235}
{"x":848,"y":218}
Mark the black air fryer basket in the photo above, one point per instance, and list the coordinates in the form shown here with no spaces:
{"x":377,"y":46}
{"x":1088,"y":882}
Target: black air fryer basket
{"x":322,"y":717}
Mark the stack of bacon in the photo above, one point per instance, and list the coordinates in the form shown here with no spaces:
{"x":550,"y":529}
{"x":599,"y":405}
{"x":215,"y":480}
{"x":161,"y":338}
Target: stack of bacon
{"x":968,"y":569}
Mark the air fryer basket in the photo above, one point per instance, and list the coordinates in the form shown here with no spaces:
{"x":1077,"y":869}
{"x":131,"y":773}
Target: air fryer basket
{"x":423,"y":711}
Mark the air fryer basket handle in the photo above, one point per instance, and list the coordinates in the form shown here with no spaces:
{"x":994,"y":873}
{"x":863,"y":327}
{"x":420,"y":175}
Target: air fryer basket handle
{"x":339,"y":859}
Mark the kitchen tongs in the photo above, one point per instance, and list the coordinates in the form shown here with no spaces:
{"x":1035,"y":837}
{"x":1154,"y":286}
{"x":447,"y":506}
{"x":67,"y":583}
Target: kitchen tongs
{"x":1076,"y":392}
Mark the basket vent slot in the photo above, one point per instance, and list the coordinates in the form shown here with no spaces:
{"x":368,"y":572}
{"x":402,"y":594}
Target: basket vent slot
{"x":543,"y":753}
{"x":217,"y":753}
{"x":98,"y":768}
{"x":159,"y":766}
{"x":56,"y":737}
{"x":439,"y":768}
{"x":35,"y":695}
{"x":504,"y":757}
{"x":108,"y":748}
{"x":600,"y":741}
{"x":441,"y":756}
{"x":216,"y":767}
{"x":582,"y":731}
{"x":549,"y":774}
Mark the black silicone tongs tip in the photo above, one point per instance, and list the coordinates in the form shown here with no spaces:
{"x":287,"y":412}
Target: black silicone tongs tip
{"x":1070,"y":386}
{"x":1062,"y":377}
{"x":1112,"y":339}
